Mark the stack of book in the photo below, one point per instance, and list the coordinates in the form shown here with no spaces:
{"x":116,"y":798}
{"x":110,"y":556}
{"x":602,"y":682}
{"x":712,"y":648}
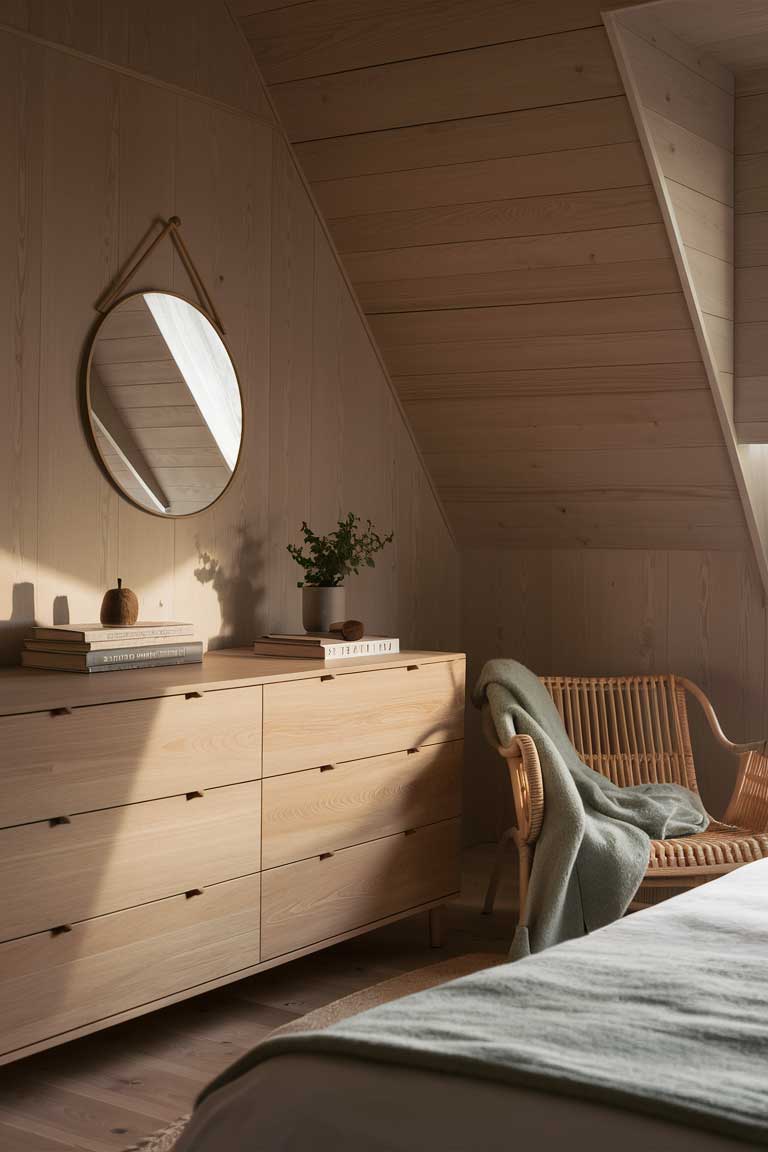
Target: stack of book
{"x":317,"y":646}
{"x":100,"y":648}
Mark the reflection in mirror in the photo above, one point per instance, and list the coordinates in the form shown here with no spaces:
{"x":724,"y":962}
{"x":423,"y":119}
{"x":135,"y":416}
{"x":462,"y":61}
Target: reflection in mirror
{"x":164,"y":403}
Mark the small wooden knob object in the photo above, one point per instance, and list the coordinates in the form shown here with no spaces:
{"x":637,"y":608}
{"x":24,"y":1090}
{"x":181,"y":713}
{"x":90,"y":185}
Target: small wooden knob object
{"x":120,"y":606}
{"x":351,"y":630}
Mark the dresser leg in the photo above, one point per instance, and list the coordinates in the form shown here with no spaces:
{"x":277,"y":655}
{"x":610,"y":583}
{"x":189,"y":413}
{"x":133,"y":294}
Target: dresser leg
{"x":436,"y":927}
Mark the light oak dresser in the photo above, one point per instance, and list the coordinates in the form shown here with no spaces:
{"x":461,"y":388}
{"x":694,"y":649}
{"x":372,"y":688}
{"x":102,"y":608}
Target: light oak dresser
{"x":166,"y":831}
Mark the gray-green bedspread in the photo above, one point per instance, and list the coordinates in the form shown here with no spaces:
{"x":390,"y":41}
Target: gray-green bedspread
{"x":664,"y":1012}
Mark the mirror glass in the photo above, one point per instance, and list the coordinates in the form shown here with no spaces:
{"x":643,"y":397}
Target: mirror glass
{"x":164,"y":403}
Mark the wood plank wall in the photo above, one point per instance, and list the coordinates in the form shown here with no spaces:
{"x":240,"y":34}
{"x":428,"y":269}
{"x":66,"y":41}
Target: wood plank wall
{"x":752,"y":256}
{"x":482,"y":177}
{"x":481,"y":172}
{"x":172,"y":118}
{"x":613,"y":612}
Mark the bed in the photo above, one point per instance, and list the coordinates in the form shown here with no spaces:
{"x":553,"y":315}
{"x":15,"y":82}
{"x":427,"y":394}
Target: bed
{"x":650,"y":1033}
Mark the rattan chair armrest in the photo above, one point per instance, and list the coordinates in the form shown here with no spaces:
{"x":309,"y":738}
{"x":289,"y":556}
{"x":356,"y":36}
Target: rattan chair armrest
{"x":749,"y":803}
{"x":527,"y":786}
{"x":714,"y":724}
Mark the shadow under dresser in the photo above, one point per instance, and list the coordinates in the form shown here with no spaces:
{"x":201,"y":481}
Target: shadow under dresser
{"x":169,"y":830}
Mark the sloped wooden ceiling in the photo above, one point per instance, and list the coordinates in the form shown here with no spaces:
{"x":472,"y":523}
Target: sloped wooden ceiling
{"x":734,"y":33}
{"x":481,"y":174}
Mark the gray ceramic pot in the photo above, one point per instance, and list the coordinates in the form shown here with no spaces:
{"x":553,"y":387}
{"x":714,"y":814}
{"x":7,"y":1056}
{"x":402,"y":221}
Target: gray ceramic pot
{"x":321,"y":607}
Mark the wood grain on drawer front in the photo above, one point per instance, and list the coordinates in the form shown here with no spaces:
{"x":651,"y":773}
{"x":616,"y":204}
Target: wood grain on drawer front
{"x":52,"y":983}
{"x":305,"y":903}
{"x":110,"y":754}
{"x":103,"y":861}
{"x":348,"y":716}
{"x":306,"y":813}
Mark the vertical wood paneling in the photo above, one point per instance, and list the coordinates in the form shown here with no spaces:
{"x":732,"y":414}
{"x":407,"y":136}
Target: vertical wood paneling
{"x":368,"y":478}
{"x":608,"y":612}
{"x":220,"y":555}
{"x":329,"y":430}
{"x":147,"y":179}
{"x":75,"y":23}
{"x":407,"y":543}
{"x":603,"y":639}
{"x":77,"y":520}
{"x":290,"y":407}
{"x":190,"y":43}
{"x":717,"y":638}
{"x":21,"y":116}
{"x":506,"y":601}
{"x":92,"y":157}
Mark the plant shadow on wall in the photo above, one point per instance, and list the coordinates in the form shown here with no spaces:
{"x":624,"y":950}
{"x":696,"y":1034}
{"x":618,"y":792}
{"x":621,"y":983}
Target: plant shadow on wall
{"x":240,"y":590}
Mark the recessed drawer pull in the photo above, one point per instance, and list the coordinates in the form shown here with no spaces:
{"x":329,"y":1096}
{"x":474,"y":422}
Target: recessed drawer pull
{"x":54,"y":820}
{"x":60,"y":929}
{"x":193,"y":892}
{"x":193,"y":695}
{"x":328,"y":676}
{"x":327,"y":767}
{"x":326,"y":855}
{"x":412,"y":668}
{"x":61,"y":711}
{"x":412,"y":751}
{"x":410,"y":832}
{"x":196,"y":795}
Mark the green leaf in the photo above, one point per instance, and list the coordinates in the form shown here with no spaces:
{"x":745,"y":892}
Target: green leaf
{"x":328,"y":559}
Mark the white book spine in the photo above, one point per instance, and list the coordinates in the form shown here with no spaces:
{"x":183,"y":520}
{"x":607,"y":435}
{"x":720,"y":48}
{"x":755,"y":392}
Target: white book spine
{"x":349,"y":650}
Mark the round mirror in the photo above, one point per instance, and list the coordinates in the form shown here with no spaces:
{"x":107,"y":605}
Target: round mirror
{"x":164,"y":404}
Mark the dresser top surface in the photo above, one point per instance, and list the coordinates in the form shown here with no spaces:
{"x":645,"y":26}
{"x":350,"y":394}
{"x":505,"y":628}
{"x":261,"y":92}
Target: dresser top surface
{"x":32,"y":690}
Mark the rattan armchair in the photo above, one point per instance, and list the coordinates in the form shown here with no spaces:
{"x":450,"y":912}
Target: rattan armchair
{"x":634,"y":730}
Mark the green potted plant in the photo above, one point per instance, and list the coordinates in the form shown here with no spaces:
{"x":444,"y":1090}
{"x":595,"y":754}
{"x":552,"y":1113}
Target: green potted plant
{"x":326,"y":561}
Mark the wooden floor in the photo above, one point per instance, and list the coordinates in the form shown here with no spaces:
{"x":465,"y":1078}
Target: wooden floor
{"x":108,"y":1091}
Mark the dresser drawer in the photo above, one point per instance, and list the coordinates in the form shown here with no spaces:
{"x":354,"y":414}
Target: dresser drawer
{"x":306,"y":813}
{"x":108,"y":754}
{"x":348,"y":716}
{"x":52,"y":983}
{"x":305,"y":903}
{"x":99,"y":862}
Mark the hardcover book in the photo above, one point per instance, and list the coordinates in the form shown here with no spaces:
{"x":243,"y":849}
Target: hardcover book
{"x":115,"y":658}
{"x":97,"y":633}
{"x":66,"y":644}
{"x":317,"y":647}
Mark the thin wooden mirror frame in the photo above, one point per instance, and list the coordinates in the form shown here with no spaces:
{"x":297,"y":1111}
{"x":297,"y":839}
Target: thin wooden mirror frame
{"x":85,"y":392}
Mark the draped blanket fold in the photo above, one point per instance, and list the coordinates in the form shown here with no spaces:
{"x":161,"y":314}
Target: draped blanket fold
{"x":594,"y":845}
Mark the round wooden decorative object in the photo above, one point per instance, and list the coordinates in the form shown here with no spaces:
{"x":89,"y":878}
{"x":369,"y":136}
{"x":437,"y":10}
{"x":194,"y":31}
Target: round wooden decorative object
{"x":120,"y":606}
{"x":351,"y":630}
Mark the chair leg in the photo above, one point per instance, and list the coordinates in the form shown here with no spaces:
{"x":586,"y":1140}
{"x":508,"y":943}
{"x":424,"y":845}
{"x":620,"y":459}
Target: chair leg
{"x":493,"y":883}
{"x":524,"y":853}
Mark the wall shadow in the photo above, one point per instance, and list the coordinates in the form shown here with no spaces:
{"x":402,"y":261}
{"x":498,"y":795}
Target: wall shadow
{"x":14,"y":629}
{"x":61,"y":610}
{"x":241,"y":591}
